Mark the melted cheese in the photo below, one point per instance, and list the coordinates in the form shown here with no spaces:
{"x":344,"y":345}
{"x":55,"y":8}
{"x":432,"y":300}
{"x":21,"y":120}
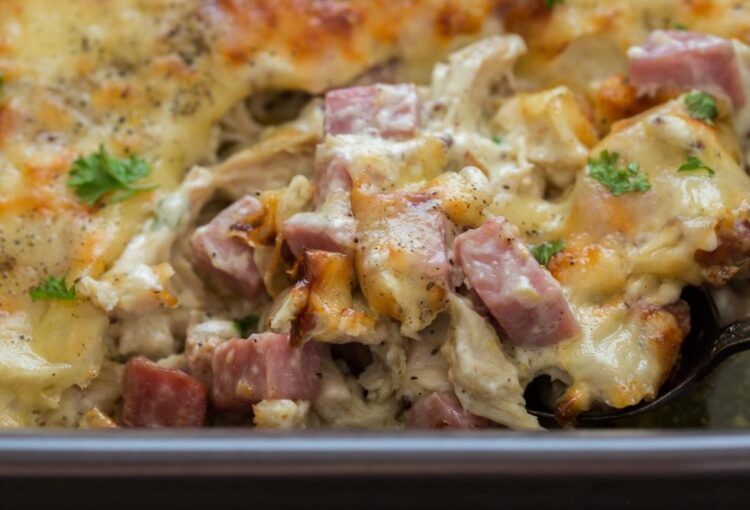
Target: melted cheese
{"x":155,"y":77}
{"x":664,"y":227}
{"x":629,"y":253}
{"x":556,"y":131}
{"x":150,"y":78}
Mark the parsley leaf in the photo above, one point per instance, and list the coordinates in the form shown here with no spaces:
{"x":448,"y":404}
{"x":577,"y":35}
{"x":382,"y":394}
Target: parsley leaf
{"x":551,"y":3}
{"x":680,"y":26}
{"x":53,"y":288}
{"x":693,"y":164}
{"x":617,"y":181}
{"x":2,"y":78}
{"x":497,"y":139}
{"x":545,"y":251}
{"x":702,"y":106}
{"x":100,"y":174}
{"x":246,"y":326}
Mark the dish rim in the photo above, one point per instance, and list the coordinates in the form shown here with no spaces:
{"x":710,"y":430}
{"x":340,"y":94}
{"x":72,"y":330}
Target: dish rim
{"x":235,"y":452}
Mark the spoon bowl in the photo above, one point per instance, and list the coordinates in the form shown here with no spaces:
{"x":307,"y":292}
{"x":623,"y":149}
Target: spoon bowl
{"x":704,"y":348}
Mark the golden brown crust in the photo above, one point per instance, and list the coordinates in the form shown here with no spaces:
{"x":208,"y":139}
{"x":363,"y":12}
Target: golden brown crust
{"x":732,"y":254}
{"x":665,"y":329}
{"x":616,"y":99}
{"x":326,"y":279}
{"x":308,"y":31}
{"x":177,"y":75}
{"x":625,"y":22}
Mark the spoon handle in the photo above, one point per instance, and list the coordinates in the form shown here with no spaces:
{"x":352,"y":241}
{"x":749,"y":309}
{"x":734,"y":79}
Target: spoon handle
{"x":733,"y":338}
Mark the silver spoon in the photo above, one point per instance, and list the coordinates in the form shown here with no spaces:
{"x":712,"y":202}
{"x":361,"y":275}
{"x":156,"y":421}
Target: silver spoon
{"x":706,"y":346}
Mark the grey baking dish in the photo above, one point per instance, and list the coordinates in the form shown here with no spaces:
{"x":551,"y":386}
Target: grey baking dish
{"x":221,"y":452}
{"x":231,"y":468}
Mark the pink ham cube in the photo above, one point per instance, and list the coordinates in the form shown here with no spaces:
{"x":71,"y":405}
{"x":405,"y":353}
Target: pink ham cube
{"x":442,"y":411}
{"x":687,"y":60}
{"x":158,"y":397}
{"x":386,"y":111}
{"x":228,"y":260}
{"x":264,"y":366}
{"x":520,"y":294}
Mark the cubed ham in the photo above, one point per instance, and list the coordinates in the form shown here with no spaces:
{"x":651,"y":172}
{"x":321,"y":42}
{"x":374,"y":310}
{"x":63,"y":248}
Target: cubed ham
{"x":442,"y":411}
{"x":158,"y":397}
{"x":387,"y":111}
{"x":687,"y":60}
{"x":318,"y":231}
{"x":264,"y":366}
{"x":331,"y":174}
{"x":228,"y":259}
{"x":330,"y":228}
{"x":520,"y":294}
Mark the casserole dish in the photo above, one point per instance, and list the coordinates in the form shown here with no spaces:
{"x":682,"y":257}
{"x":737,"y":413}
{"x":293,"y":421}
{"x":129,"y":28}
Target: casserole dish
{"x":471,"y":111}
{"x":326,"y":454}
{"x":375,"y":470}
{"x":603,"y":142}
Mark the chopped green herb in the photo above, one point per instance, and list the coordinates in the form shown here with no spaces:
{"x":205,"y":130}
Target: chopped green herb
{"x":545,"y":251}
{"x":100,"y":174}
{"x":617,"y":181}
{"x":246,"y":326}
{"x":702,"y":106}
{"x":53,"y":288}
{"x":694,"y":164}
{"x":2,"y":78}
{"x":680,"y":26}
{"x":497,"y":139}
{"x":551,"y":3}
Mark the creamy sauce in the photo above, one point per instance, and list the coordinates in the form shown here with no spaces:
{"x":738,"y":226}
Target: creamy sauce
{"x":505,"y":129}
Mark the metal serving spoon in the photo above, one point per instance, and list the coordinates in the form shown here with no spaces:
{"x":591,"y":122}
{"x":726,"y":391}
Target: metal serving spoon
{"x":705,"y":347}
